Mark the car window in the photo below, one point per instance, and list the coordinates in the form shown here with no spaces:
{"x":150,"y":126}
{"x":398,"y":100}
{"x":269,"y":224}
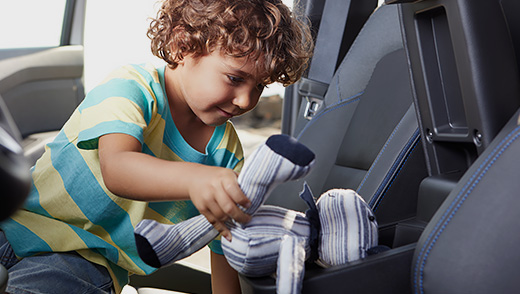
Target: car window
{"x":31,"y":23}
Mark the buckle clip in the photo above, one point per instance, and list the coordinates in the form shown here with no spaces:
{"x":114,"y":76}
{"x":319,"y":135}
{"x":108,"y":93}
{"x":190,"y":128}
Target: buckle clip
{"x":314,"y":92}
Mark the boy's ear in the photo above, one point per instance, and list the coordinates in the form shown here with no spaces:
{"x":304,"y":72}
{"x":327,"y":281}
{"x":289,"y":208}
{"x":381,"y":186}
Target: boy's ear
{"x":177,"y":54}
{"x":179,"y":44}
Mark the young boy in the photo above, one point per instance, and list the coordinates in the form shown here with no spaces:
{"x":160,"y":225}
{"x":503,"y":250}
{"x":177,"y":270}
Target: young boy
{"x":155,"y":144}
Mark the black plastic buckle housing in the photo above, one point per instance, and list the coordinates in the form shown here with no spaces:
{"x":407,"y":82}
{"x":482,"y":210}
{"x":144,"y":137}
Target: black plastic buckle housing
{"x":314,"y":92}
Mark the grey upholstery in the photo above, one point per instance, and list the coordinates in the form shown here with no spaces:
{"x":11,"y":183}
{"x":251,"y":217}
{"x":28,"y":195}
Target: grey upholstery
{"x":471,"y":243}
{"x":470,"y":199}
{"x":370,"y":126}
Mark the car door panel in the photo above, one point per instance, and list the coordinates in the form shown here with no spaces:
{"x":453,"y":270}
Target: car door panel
{"x":42,"y":89}
{"x":42,"y":84}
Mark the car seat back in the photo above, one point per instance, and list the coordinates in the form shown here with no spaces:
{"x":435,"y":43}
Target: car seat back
{"x":464,"y":65}
{"x":465,"y":77}
{"x":471,"y":244}
{"x":365,"y":136}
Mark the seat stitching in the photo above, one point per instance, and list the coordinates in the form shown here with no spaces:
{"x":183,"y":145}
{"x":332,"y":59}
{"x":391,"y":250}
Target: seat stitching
{"x":332,"y":107}
{"x":400,"y":162}
{"x":379,"y":155}
{"x":466,"y":190}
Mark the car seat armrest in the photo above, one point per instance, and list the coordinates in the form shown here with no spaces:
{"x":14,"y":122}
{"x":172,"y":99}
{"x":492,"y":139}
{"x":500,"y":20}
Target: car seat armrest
{"x":386,"y":272}
{"x":176,"y":277}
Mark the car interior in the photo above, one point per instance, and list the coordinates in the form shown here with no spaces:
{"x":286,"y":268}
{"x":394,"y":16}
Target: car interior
{"x":413,"y":104}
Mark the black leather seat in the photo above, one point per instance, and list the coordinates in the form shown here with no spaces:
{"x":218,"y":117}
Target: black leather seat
{"x":463,"y":59}
{"x":366,"y":135}
{"x":471,"y":244}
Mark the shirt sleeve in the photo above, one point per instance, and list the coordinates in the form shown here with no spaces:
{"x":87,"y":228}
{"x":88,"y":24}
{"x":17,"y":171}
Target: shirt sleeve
{"x":117,"y":106}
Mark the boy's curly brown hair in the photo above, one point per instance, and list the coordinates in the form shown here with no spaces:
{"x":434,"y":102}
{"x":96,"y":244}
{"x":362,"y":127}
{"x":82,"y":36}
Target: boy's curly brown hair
{"x":265,"y":31}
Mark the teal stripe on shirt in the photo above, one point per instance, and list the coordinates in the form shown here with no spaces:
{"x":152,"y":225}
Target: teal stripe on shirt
{"x":175,"y":211}
{"x":91,"y":199}
{"x":128,"y":89}
{"x":89,"y":138}
{"x":218,"y":134}
{"x":157,"y":88}
{"x":100,"y":245}
{"x":33,"y":202}
{"x":216,"y":246}
{"x":120,"y":273}
{"x":147,"y":150}
{"x":221,"y":156}
{"x":174,"y":140}
{"x":19,"y":234}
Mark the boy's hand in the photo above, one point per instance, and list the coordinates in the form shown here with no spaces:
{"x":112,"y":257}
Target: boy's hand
{"x":134,"y":175}
{"x":215,"y":193}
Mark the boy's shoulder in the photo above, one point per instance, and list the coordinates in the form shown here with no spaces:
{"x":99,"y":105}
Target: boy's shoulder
{"x":140,"y":83}
{"x":142,"y":73}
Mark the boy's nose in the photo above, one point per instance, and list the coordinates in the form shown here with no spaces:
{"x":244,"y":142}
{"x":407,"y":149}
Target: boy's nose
{"x":244,"y":101}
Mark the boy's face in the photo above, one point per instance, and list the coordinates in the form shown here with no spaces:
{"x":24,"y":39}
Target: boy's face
{"x":217,"y":87}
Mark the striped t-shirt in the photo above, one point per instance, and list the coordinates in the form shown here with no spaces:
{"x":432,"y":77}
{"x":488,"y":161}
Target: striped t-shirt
{"x":70,"y":208}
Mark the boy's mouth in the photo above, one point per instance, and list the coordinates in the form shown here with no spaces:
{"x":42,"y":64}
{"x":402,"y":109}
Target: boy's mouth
{"x":225,"y":113}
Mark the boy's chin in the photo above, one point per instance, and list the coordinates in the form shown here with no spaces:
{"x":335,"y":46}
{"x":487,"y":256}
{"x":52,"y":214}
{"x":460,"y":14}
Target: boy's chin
{"x":215,"y":122}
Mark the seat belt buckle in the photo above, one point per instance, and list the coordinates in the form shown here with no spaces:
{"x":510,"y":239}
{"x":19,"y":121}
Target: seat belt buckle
{"x":314,"y":92}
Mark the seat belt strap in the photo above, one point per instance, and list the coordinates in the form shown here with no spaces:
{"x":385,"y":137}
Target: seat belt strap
{"x":326,"y":52}
{"x":328,"y":40}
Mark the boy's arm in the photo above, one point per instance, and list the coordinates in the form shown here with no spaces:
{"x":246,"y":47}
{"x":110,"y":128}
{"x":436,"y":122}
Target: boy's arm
{"x":129,"y":173}
{"x":224,"y":279}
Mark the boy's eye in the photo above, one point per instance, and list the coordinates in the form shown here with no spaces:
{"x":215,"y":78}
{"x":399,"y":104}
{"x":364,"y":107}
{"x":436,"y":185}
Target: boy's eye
{"x":235,"y":79}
